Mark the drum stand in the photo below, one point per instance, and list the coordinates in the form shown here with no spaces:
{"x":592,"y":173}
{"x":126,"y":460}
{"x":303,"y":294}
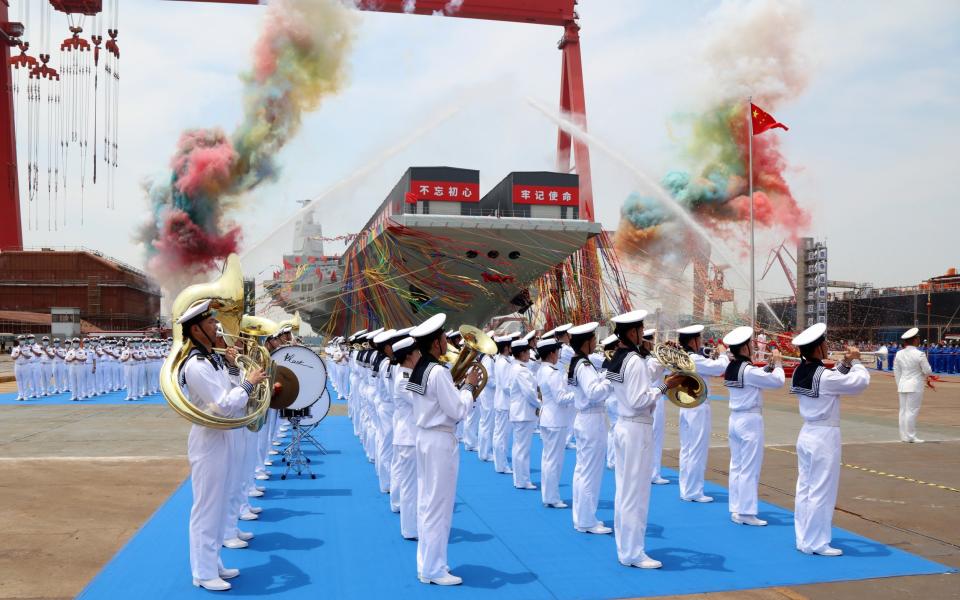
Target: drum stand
{"x":308,"y":436}
{"x":293,"y":454}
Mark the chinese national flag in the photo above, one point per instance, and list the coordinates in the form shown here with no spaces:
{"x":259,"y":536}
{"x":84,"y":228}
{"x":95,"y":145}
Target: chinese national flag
{"x":762,"y":120}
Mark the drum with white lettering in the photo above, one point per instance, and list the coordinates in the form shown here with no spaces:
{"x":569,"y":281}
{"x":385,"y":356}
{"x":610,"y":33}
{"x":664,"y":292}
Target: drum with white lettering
{"x":303,"y":369}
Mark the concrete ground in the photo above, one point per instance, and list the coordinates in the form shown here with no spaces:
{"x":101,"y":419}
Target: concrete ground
{"x":78,"y":481}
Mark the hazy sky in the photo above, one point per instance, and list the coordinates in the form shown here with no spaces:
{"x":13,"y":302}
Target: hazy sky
{"x":873,"y":138}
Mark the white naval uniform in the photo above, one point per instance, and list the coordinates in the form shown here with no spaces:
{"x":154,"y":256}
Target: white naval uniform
{"x":553,"y":429}
{"x":385,"y":407}
{"x":36,"y":366}
{"x":695,"y":424}
{"x":20,"y":372}
{"x":403,"y":475}
{"x":745,"y":432}
{"x":437,"y":407}
{"x":568,"y":413}
{"x":522,"y":395}
{"x":818,"y":451}
{"x":129,"y":368}
{"x":213,"y":458}
{"x":635,"y":399}
{"x":486,"y":410}
{"x":60,"y":370}
{"x":501,"y":424}
{"x":89,"y":373}
{"x":590,"y":392}
{"x":73,"y":371}
{"x":48,"y":385}
{"x":80,"y":372}
{"x":910,"y":369}
{"x":657,"y":373}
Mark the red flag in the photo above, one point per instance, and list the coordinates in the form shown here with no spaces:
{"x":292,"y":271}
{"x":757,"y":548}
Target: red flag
{"x":762,"y":120}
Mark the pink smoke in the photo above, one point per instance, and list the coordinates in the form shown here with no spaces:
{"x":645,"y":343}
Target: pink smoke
{"x":203,"y":162}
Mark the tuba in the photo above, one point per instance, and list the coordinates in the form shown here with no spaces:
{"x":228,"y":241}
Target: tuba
{"x":475,"y":343}
{"x":226,"y":294}
{"x":293,"y":323}
{"x":693,"y":391}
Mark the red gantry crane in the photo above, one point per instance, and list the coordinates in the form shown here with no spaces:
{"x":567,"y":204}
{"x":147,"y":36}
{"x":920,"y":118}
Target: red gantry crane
{"x":558,"y":13}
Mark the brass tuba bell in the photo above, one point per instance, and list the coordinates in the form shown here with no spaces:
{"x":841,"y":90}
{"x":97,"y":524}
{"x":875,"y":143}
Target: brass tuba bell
{"x":226,"y":294}
{"x":475,"y":343}
{"x":692,"y":392}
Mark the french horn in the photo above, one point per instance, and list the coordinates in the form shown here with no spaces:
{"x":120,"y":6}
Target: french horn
{"x":692,"y":391}
{"x":226,"y":295}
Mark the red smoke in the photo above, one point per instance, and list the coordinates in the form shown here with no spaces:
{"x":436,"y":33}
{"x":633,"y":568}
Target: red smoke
{"x":187,"y":249}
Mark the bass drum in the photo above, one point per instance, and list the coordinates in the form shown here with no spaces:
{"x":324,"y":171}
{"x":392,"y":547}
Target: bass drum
{"x":303,"y":369}
{"x":318,"y":411}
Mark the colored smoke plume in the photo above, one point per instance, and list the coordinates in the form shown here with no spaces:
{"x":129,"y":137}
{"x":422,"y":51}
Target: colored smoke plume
{"x":298,"y":60}
{"x":754,"y":51}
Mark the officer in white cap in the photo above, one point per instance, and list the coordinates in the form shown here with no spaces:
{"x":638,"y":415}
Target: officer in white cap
{"x":524,"y":406}
{"x":19,"y":359}
{"x":745,"y":383}
{"x":608,"y":346}
{"x":912,"y":373}
{"x":553,"y":424}
{"x":695,"y":422}
{"x":562,"y":335}
{"x":403,"y":475}
{"x":437,"y":407}
{"x":629,"y":373}
{"x":590,"y":391}
{"x":383,"y":401}
{"x":208,"y":384}
{"x":656,"y":378}
{"x":818,"y":390}
{"x":501,"y":405}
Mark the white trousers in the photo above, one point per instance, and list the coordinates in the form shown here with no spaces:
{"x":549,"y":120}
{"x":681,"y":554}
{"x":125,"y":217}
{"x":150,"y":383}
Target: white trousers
{"x":522,"y":440}
{"x":818,"y":459}
{"x":404,"y":480}
{"x":63,"y":383}
{"x":551,"y":462}
{"x":211,"y":457}
{"x":384,"y":444}
{"x":39,"y":389}
{"x":745,"y":431}
{"x":611,"y":447}
{"x":235,"y":485}
{"x":659,"y":416}
{"x":370,"y":428}
{"x":694,"y":446}
{"x":485,"y":434}
{"x":591,"y":432}
{"x":438,"y":464}
{"x":501,"y":440}
{"x":48,"y":385}
{"x":634,"y":442}
{"x":129,"y":378}
{"x":909,"y":409}
{"x":470,"y":428}
{"x":20,"y":375}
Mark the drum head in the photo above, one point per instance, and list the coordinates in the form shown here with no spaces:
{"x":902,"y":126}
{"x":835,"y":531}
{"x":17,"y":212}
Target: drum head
{"x":289,"y":388}
{"x":309,"y":370}
{"x":318,"y":411}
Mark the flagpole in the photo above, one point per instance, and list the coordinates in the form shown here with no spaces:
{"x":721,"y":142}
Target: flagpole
{"x":753,"y":275}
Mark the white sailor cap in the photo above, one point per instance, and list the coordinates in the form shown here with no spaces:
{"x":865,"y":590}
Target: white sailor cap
{"x":740,"y":335}
{"x":359,"y":333}
{"x":564,"y":328}
{"x":547,"y":334}
{"x":547,"y":344}
{"x":453,"y":333}
{"x":501,"y":339}
{"x":582,"y":329}
{"x":609,"y":340}
{"x":286,"y":329}
{"x":430,"y":326}
{"x":384,"y":336}
{"x":810,"y":334}
{"x":45,"y":338}
{"x":530,"y":334}
{"x":910,"y":334}
{"x":404,"y":343}
{"x":520,"y":344}
{"x":372,"y":334}
{"x":690,"y":330}
{"x":634,"y":316}
{"x":196,"y":309}
{"x":649,"y":333}
{"x":405,"y":331}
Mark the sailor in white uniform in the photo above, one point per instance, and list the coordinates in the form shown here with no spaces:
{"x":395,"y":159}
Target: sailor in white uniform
{"x":60,"y":367}
{"x":19,"y":359}
{"x":590,"y":392}
{"x":553,"y":426}
{"x":599,"y":360}
{"x":912,"y":372}
{"x":501,"y":406}
{"x":659,"y":413}
{"x":524,"y":406}
{"x":403,"y":475}
{"x":562,"y":335}
{"x":381,"y":380}
{"x":47,"y":386}
{"x":213,"y":461}
{"x":695,"y":423}
{"x":437,"y":407}
{"x":745,"y":384}
{"x":485,"y":407}
{"x":636,"y":399}
{"x":818,"y":390}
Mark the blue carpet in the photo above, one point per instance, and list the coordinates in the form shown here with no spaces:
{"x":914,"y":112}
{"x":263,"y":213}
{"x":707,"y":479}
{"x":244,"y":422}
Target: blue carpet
{"x":334,"y":537}
{"x":111,"y":398}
